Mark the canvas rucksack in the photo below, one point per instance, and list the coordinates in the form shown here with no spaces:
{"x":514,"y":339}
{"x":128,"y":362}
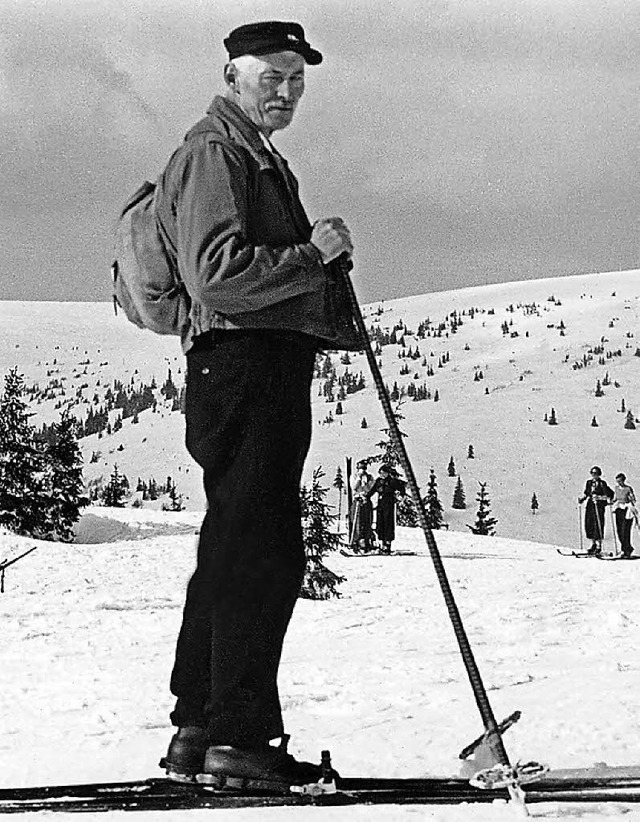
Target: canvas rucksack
{"x":146,"y":282}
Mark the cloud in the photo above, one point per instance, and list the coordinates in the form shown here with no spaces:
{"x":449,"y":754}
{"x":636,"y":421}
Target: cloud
{"x":475,"y":120}
{"x":62,"y":66}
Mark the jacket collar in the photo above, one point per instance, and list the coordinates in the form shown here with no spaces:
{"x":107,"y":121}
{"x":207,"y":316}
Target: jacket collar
{"x":229,"y":120}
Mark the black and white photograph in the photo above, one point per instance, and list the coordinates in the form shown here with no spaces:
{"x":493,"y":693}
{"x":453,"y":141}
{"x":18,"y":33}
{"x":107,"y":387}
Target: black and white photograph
{"x":320,"y":410}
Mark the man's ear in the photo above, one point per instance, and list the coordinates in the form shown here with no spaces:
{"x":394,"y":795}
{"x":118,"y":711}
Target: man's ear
{"x":231,"y":75}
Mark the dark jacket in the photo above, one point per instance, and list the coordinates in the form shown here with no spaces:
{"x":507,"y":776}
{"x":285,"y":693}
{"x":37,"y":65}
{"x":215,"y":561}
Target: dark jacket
{"x":386,"y":489}
{"x":230,"y":212}
{"x":597,"y":493}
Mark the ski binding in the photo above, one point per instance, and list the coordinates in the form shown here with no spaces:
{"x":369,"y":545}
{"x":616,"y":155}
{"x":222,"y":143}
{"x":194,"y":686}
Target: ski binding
{"x":320,"y":788}
{"x":508,"y":776}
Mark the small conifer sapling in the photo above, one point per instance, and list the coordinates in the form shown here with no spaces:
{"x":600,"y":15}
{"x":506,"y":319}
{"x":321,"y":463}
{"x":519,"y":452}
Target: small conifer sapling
{"x":484,"y":524}
{"x":432,"y":504}
{"x":459,"y":501}
{"x":320,"y":536}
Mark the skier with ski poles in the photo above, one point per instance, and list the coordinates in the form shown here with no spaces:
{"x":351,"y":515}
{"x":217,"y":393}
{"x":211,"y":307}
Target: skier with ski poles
{"x":386,"y":487}
{"x":597,"y":495}
{"x":361,"y":537}
{"x":625,"y":513}
{"x":265,"y":295}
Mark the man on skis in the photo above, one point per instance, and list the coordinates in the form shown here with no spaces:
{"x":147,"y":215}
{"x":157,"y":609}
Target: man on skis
{"x":264,"y":299}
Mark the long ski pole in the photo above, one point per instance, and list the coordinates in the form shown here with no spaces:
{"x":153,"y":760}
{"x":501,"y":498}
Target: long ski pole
{"x":580,"y":526}
{"x":355,"y":523}
{"x":614,"y":529}
{"x":599,"y":522}
{"x":494,"y":739}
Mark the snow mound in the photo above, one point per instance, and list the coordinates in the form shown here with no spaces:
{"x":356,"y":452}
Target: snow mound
{"x":94,"y":528}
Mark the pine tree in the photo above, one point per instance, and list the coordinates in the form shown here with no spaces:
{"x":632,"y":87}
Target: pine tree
{"x":319,"y":537}
{"x":65,"y":481}
{"x":432,"y":504}
{"x":338,"y":483}
{"x":534,"y":503}
{"x":471,"y":453}
{"x":552,"y":419}
{"x":175,"y":499}
{"x":169,"y":390}
{"x":630,"y":422}
{"x":22,"y":463}
{"x":406,"y":512}
{"x":115,"y":492}
{"x":451,"y":468}
{"x":389,"y":451}
{"x":484,"y":523}
{"x":459,"y":501}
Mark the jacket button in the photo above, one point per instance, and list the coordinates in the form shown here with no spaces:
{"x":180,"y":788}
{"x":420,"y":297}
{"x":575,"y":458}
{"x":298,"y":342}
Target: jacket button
{"x":205,"y":370}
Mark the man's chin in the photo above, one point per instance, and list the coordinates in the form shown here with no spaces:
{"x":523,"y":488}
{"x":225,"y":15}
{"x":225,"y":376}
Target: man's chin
{"x":279,"y":118}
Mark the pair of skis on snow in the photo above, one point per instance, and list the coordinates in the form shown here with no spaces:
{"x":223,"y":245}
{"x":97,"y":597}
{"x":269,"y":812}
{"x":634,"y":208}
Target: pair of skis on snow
{"x":600,"y":556}
{"x":570,"y":786}
{"x":376,"y":552}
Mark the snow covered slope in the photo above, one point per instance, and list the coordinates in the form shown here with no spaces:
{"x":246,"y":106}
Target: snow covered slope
{"x":89,"y":632}
{"x":88,"y":629}
{"x":494,"y":391}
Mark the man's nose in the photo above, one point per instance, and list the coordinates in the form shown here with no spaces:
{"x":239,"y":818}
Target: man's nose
{"x":286,"y":90}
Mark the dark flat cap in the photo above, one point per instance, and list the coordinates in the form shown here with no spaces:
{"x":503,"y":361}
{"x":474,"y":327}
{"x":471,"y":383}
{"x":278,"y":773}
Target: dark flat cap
{"x":268,"y":38}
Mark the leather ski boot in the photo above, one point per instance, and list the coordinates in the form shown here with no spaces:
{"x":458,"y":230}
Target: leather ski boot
{"x":266,"y":768}
{"x":186,"y":754}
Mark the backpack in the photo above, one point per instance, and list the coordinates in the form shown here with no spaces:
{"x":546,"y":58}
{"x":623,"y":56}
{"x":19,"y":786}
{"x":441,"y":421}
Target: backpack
{"x":146,"y":282}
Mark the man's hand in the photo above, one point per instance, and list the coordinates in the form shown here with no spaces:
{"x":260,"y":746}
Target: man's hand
{"x":332,"y":238}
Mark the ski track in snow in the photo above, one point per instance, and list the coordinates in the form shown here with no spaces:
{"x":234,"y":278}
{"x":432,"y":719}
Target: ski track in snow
{"x":376,"y":676}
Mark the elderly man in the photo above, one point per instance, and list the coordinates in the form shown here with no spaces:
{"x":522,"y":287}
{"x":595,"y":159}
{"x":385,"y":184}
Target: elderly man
{"x":264,"y":299}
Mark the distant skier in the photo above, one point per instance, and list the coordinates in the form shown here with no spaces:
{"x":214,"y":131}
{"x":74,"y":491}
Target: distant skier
{"x":386,"y":487}
{"x":361,"y":510}
{"x":597,"y":494}
{"x":625,"y":513}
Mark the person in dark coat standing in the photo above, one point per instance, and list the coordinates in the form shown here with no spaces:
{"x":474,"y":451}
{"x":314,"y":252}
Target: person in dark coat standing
{"x":597,"y":494}
{"x":386,"y":487}
{"x":265,"y":296}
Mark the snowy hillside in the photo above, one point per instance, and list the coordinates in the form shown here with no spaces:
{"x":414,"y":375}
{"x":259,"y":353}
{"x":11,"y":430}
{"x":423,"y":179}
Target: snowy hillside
{"x":89,"y":633}
{"x":89,"y":628}
{"x":509,"y":355}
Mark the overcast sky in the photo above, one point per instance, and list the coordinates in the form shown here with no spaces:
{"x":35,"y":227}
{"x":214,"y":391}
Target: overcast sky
{"x":464,"y":141}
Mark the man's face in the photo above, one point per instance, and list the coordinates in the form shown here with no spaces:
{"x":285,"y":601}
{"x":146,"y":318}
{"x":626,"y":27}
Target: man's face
{"x":267,"y":88}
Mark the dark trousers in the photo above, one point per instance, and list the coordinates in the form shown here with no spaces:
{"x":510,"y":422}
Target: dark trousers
{"x":623,"y":527}
{"x":594,"y":520}
{"x":248,"y":419}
